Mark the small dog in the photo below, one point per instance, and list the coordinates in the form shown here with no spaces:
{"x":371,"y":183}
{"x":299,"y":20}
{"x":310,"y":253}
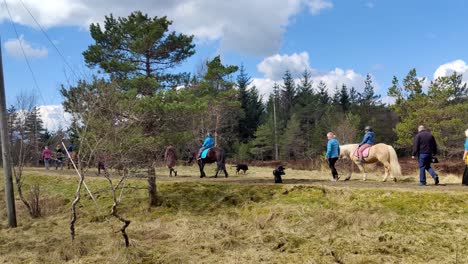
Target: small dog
{"x":241,"y":167}
{"x":277,"y":173}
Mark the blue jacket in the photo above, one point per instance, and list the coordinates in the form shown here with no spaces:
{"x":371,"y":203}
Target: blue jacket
{"x":208,"y":143}
{"x":333,"y":148}
{"x":466,"y":144}
{"x":369,"y":138}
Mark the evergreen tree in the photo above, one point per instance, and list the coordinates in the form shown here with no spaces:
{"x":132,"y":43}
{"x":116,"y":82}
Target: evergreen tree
{"x":287,"y":97}
{"x":138,"y":51}
{"x":323,"y":94}
{"x":34,"y":132}
{"x":292,"y":144}
{"x":218,"y":75}
{"x":368,"y":97}
{"x":252,"y":106}
{"x":344,"y":99}
{"x":441,"y":109}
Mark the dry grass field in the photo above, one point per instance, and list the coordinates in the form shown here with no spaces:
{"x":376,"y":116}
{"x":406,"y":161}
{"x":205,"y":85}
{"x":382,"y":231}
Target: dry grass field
{"x":244,"y":219}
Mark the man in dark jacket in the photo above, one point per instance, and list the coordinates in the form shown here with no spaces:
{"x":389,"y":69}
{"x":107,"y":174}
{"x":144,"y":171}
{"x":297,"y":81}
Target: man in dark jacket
{"x":424,"y":146}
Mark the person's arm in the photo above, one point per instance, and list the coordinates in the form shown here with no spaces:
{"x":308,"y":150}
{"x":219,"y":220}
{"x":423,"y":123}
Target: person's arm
{"x":206,"y":142}
{"x":364,"y":140}
{"x":327,"y":155}
{"x":415,"y":146}
{"x":465,"y":154}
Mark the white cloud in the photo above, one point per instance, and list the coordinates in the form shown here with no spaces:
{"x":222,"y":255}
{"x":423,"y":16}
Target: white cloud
{"x":447,"y":69}
{"x":15,"y":48}
{"x":315,"y":6}
{"x":253,"y":27}
{"x":275,"y":66}
{"x":54,"y":117}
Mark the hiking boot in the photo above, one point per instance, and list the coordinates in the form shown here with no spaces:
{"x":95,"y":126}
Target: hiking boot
{"x":359,"y":162}
{"x":436,"y":180}
{"x":421,"y":184}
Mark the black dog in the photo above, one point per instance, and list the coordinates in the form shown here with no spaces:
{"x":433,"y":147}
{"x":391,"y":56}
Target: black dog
{"x":277,"y":173}
{"x":240,"y":167}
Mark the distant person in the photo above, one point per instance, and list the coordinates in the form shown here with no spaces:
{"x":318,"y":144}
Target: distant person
{"x":465,"y":159}
{"x":207,"y":143}
{"x":367,"y":141}
{"x":425,"y":147}
{"x":72,"y":153}
{"x":333,"y":152}
{"x":102,"y":164}
{"x":71,"y":148}
{"x":46,"y":156}
{"x":59,"y":156}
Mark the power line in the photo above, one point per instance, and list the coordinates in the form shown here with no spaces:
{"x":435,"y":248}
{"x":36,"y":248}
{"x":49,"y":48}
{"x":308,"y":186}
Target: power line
{"x":48,"y":38}
{"x":24,"y":53}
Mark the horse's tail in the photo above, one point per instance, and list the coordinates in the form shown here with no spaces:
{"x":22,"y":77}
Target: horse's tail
{"x":395,"y":168}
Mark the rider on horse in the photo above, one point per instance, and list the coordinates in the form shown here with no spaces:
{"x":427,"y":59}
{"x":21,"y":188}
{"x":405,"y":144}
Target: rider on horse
{"x":367,"y":141}
{"x":207,"y":143}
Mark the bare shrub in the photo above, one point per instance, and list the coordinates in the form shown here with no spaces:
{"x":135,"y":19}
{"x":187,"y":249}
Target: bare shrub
{"x":34,"y":201}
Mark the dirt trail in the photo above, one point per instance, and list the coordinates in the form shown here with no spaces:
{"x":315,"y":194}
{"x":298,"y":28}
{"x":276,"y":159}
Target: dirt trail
{"x":262,"y":175}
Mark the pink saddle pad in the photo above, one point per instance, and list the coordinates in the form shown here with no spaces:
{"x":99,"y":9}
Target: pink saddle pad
{"x":365,"y":153}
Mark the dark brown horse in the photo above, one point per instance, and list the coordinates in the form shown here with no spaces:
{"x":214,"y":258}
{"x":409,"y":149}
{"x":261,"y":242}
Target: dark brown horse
{"x":214,"y":155}
{"x":170,"y":158}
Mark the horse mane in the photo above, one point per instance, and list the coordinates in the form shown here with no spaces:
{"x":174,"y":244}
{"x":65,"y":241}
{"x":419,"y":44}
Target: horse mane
{"x":347,"y":150}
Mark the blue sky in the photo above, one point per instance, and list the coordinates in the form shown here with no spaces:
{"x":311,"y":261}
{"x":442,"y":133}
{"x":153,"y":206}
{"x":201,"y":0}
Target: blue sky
{"x":339,"y":41}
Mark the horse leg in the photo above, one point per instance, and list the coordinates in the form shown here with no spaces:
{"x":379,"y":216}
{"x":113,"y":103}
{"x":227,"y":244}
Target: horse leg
{"x":350,"y":171}
{"x":363,"y":171}
{"x":217,"y":170}
{"x":201,"y":165}
{"x":387,"y":169}
{"x":225,"y":171}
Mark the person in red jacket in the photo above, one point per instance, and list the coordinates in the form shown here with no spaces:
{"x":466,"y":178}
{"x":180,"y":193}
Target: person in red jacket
{"x":46,"y":156}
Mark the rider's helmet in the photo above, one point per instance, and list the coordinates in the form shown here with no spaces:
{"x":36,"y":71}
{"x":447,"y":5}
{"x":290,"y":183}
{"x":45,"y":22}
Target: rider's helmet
{"x":208,"y":134}
{"x":368,"y":128}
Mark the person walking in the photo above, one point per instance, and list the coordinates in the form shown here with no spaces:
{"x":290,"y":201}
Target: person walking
{"x":333,"y":153}
{"x":46,"y":156}
{"x":59,"y":156}
{"x":424,"y":147}
{"x":465,"y":159}
{"x":367,"y":142}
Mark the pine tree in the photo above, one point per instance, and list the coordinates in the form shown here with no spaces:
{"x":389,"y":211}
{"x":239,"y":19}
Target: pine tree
{"x":252,"y":106}
{"x":34,"y":133}
{"x":138,"y":51}
{"x":287,"y":97}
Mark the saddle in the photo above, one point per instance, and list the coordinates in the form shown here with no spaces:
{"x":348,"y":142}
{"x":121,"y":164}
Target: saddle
{"x":365,"y":153}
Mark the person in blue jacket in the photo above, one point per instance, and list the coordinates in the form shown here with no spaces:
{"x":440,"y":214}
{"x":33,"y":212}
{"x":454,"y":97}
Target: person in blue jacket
{"x":333,"y":153}
{"x":367,"y":141}
{"x":207,"y":143}
{"x":465,"y":159}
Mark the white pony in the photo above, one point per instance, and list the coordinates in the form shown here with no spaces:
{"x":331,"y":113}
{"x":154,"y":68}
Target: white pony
{"x":384,"y":153}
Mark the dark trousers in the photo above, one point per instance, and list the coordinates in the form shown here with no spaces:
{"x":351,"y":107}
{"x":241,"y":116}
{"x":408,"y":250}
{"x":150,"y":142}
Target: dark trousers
{"x":331,"y":164}
{"x":425,"y":165}
{"x":465,"y":176}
